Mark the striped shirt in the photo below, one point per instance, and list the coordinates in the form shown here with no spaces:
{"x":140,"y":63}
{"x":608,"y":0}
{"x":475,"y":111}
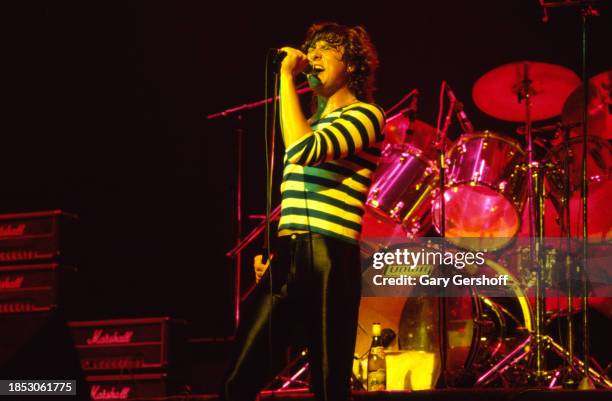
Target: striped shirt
{"x":328,"y":173}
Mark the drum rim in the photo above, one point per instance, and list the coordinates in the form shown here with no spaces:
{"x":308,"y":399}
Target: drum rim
{"x":487,"y":134}
{"x":412,"y":151}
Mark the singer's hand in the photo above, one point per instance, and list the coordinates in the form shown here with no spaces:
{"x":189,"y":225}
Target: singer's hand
{"x":294,"y":62}
{"x":293,"y":123}
{"x":259,"y":267}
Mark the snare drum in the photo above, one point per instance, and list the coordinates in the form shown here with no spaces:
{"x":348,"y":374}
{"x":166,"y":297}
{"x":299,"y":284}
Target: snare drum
{"x":485,"y":191}
{"x":403,"y":182}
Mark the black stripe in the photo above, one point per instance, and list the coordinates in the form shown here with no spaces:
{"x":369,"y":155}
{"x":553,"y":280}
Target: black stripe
{"x":322,"y":150}
{"x":382,"y":111}
{"x":375,"y":123}
{"x":324,"y":120}
{"x":334,"y":141}
{"x":315,"y":196}
{"x":362,"y":162}
{"x":297,"y":148}
{"x":363,"y":131}
{"x":324,"y":182}
{"x":373,"y":151}
{"x":303,"y":227}
{"x":347,"y":136}
{"x":347,"y":172}
{"x":298,"y":211}
{"x":306,"y":151}
{"x":384,"y":119}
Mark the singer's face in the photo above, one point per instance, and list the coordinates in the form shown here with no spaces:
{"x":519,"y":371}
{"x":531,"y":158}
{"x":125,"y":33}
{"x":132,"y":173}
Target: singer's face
{"x":331,"y":69}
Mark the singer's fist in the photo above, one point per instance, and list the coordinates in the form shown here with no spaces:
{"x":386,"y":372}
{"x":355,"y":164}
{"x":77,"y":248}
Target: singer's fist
{"x":260,"y":268}
{"x":294,"y":62}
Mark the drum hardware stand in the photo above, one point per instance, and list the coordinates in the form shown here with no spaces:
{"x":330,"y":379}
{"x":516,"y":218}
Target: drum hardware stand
{"x":538,"y":340}
{"x":535,"y":237}
{"x":586,"y":382}
{"x":523,"y":351}
{"x":569,"y":274}
{"x":586,"y":10}
{"x":290,"y":374}
{"x":443,"y":381}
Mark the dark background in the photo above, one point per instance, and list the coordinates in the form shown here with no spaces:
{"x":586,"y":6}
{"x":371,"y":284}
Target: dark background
{"x":105,"y":108}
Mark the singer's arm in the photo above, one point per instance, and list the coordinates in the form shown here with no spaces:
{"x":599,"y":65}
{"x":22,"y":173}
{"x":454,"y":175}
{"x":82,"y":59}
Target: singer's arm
{"x":358,"y":128}
{"x":293,"y":122}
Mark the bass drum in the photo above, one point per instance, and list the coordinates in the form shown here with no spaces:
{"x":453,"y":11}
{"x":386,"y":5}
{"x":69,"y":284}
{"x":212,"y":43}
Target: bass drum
{"x":481,"y":331}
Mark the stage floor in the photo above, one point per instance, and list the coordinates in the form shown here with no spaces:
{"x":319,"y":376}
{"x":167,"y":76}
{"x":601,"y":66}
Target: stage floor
{"x":519,"y":394}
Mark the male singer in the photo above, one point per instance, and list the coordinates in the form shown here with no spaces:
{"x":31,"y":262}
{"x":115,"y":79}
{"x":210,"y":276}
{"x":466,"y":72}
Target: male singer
{"x":313,"y":284}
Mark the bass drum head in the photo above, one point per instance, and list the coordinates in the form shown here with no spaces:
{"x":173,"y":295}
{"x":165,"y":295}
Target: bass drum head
{"x":480,"y":330}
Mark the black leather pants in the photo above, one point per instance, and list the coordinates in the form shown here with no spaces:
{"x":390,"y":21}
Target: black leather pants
{"x":316,"y":288}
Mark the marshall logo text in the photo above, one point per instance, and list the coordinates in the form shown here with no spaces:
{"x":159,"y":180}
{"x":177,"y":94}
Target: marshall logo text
{"x":12,"y":231}
{"x":99,"y":337}
{"x":99,"y":393}
{"x":11,"y":284}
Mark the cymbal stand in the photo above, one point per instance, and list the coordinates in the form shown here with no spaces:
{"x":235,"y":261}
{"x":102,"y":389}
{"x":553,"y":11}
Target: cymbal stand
{"x":569,"y":269}
{"x":538,"y":340}
{"x":523,"y":351}
{"x":535,"y":238}
{"x":586,"y":10}
{"x":586,"y":383}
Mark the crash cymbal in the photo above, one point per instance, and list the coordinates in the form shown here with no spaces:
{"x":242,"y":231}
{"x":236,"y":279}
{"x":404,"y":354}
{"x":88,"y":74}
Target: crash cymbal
{"x":599,"y":113}
{"x":497,"y":93}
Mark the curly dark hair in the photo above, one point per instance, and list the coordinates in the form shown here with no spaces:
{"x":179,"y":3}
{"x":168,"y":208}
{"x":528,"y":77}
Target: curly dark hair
{"x":359,"y":52}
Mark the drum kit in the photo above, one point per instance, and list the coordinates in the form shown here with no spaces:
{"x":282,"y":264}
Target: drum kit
{"x":498,"y":189}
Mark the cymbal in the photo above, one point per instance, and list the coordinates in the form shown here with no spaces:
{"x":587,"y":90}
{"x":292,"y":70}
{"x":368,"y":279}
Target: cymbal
{"x":599,"y":113}
{"x":497,"y":92}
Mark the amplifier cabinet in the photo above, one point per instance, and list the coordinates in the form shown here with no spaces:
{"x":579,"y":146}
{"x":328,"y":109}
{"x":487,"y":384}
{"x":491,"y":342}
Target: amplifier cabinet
{"x":37,"y":237}
{"x":127,"y":387}
{"x":127,"y":345}
{"x":31,"y":288}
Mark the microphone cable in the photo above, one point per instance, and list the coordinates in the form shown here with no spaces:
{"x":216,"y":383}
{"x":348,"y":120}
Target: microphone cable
{"x":269,"y":134}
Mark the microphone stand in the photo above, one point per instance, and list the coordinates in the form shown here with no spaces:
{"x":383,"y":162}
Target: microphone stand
{"x":442,"y":305}
{"x":241,"y":244}
{"x":254,"y":105}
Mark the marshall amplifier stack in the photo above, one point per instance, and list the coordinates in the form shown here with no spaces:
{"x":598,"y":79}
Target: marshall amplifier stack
{"x":132,"y":358}
{"x":38,"y":255}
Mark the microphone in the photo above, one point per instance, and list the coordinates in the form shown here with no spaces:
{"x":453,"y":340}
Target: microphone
{"x":464,"y":121}
{"x":280,"y":54}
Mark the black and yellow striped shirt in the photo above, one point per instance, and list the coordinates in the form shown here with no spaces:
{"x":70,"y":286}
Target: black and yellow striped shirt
{"x":328,"y":173}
